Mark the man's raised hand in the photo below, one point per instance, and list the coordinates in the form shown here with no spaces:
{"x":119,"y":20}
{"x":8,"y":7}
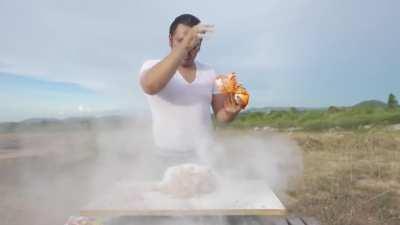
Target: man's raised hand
{"x":195,"y":35}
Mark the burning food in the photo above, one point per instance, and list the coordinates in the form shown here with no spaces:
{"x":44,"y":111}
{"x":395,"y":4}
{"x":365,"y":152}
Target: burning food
{"x":228,"y":84}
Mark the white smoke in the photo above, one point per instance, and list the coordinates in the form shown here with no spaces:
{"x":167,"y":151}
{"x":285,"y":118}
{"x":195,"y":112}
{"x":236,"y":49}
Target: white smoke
{"x":75,"y":168}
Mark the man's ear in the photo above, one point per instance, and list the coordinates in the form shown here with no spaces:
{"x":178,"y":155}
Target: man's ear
{"x":170,"y":41}
{"x":201,"y":41}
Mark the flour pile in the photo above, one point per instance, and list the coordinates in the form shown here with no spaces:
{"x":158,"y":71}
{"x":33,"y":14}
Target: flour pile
{"x":188,"y":180}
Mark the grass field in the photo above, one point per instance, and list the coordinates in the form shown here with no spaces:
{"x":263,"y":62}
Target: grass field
{"x":322,"y":119}
{"x":349,"y":178}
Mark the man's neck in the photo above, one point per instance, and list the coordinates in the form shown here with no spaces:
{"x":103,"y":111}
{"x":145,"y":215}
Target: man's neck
{"x":188,"y":72}
{"x":192,"y":66}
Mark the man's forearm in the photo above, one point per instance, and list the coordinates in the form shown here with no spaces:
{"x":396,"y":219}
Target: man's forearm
{"x":225,"y":117}
{"x":159,"y":75}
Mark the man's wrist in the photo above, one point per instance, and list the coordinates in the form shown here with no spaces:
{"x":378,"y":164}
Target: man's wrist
{"x":230,"y":113}
{"x":181,"y":51}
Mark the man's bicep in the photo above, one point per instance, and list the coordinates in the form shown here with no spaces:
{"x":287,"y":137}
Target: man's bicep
{"x":143,"y":77}
{"x":147,"y":65}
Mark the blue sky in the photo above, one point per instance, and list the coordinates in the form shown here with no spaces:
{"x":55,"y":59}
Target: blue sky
{"x":67,"y":58}
{"x":25,"y":97}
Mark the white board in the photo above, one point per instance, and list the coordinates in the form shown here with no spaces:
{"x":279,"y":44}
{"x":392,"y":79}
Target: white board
{"x":246,"y":197}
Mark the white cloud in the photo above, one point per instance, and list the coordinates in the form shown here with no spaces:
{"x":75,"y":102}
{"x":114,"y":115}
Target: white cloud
{"x":101,"y":44}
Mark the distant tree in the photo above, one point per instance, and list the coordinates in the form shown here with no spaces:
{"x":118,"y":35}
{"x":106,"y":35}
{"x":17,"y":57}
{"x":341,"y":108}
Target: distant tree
{"x":293,"y":110}
{"x":333,"y":109}
{"x":392,"y":102}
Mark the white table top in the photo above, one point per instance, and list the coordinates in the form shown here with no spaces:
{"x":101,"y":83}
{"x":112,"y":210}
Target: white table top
{"x":245,"y":197}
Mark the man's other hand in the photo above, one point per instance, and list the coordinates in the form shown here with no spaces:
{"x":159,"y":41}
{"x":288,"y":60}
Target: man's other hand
{"x":231,"y":105}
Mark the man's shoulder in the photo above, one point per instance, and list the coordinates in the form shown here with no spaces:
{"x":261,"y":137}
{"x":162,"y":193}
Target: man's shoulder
{"x":151,"y":61}
{"x":147,"y":64}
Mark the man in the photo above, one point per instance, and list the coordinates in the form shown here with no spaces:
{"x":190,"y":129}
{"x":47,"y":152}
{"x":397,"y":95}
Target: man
{"x":180,"y":91}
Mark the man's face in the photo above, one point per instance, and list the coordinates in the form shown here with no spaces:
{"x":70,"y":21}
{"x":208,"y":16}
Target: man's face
{"x":177,"y":37}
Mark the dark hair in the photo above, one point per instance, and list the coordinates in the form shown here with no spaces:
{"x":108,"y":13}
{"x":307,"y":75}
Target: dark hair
{"x":185,"y":19}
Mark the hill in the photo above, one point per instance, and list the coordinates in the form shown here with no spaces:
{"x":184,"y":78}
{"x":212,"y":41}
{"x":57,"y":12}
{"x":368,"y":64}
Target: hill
{"x":370,"y":103}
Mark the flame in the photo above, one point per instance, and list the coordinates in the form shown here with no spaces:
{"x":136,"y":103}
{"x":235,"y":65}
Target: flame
{"x":227,"y":84}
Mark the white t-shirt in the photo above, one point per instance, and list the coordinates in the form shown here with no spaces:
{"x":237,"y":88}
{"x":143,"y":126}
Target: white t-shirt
{"x":181,"y":111}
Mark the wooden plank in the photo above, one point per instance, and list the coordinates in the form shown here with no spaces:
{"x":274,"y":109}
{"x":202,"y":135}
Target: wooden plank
{"x":196,"y":220}
{"x":310,"y":221}
{"x":249,"y":197}
{"x":242,"y":220}
{"x":295,"y":221}
{"x":163,"y":220}
{"x":266,"y":220}
{"x":182,"y":212}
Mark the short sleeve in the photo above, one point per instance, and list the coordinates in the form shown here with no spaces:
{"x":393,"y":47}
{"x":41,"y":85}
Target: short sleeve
{"x":148,"y":64}
{"x":215,"y":89}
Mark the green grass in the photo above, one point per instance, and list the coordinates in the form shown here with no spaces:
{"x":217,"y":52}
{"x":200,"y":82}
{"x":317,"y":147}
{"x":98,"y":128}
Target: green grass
{"x":317,"y":120}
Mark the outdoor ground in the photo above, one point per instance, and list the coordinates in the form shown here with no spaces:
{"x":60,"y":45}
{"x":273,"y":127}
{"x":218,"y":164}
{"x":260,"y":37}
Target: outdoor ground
{"x":349,"y":177}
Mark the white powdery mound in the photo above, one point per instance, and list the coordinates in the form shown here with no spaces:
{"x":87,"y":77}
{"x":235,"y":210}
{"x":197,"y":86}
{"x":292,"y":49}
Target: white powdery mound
{"x":188,"y":180}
